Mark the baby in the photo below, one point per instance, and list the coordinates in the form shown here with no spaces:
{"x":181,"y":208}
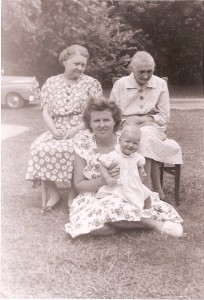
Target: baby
{"x":129,"y":186}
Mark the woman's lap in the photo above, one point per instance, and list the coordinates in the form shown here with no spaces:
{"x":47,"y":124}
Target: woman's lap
{"x":51,"y":159}
{"x":88,"y":213}
{"x":155,"y":145}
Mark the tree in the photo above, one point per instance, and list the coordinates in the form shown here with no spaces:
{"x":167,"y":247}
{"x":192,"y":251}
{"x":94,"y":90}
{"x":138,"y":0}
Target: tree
{"x":175,"y":31}
{"x":19,"y":28}
{"x":35,"y":32}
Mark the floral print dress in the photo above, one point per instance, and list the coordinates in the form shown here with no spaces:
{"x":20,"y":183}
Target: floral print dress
{"x":88,"y":213}
{"x":52,"y":159}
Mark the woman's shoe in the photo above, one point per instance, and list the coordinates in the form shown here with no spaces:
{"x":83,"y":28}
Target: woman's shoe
{"x":162,"y":197}
{"x":50,"y":207}
{"x":173,"y":229}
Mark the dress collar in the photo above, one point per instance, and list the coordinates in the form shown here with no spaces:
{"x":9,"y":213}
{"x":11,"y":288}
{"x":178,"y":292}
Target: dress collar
{"x":118,"y":150}
{"x":132,"y":83}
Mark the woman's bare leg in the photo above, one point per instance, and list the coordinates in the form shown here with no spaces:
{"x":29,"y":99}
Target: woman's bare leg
{"x":156,"y":182}
{"x":105,"y":230}
{"x":54,"y":194}
{"x":152,"y":224}
{"x":72,"y":195}
{"x":148,"y":167}
{"x":44,"y":195}
{"x":143,"y":223}
{"x":128,"y":225}
{"x":168,"y":227}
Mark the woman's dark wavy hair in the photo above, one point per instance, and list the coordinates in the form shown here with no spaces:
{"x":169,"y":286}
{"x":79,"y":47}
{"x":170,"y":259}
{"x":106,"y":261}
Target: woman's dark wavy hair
{"x":100,"y":104}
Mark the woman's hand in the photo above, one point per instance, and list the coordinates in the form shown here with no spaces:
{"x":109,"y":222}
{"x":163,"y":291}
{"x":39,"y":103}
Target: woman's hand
{"x":146,"y":121}
{"x":114,"y":171}
{"x":57,"y":135}
{"x":70,"y":133}
{"x":140,"y":120}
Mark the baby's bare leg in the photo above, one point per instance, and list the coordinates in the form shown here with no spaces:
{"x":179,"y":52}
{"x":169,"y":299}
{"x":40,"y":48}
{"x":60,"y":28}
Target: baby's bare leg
{"x":147,"y":203}
{"x":148,"y":167}
{"x":155,"y":174}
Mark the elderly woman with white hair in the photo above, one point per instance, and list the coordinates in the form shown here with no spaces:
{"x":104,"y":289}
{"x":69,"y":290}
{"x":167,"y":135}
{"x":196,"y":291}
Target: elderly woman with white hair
{"x":144,"y":100}
{"x":63,"y":100}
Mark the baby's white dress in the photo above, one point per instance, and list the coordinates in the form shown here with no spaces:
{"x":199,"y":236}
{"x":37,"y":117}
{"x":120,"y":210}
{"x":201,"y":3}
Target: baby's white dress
{"x":129,"y":185}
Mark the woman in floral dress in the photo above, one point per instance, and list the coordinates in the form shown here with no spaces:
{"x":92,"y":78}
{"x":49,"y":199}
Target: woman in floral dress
{"x":63,"y":99}
{"x":89,"y":214}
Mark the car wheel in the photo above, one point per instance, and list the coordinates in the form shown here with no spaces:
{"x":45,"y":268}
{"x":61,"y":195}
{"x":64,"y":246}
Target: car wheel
{"x":14,"y":100}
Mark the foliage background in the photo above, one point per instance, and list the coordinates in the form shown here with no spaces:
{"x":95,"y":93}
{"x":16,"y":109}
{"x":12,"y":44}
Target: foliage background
{"x":34,"y":32}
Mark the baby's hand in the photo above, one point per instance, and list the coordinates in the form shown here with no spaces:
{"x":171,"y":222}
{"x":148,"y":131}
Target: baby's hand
{"x":112,"y":182}
{"x":143,"y":176}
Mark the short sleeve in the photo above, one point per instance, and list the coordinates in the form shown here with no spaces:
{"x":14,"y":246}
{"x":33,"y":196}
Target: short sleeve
{"x":141,"y":160}
{"x":95,"y":88}
{"x":83,"y":141}
{"x":46,"y":92}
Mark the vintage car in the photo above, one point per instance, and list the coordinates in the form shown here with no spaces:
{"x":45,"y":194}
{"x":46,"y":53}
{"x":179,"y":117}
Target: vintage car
{"x":16,"y":91}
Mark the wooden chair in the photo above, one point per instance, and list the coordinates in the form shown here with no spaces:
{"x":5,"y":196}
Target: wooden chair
{"x":174,"y":170}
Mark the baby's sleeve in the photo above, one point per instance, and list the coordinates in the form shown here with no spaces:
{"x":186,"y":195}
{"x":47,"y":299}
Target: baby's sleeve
{"x":141,"y":161}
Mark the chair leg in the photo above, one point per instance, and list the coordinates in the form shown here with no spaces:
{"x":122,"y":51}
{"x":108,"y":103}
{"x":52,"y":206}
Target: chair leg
{"x":177,"y":183}
{"x":162,"y":174}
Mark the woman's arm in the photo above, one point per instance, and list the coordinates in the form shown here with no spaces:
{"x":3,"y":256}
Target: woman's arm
{"x":163,"y":106}
{"x":110,"y":181}
{"x":71,"y":132}
{"x":141,"y":121}
{"x":83,"y":185}
{"x":50,"y":123}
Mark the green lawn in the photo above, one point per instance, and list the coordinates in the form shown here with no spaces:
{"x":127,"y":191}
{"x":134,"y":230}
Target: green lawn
{"x":39,"y":260}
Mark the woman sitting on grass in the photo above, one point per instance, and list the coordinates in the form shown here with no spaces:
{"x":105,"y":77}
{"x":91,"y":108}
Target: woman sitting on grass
{"x":102,"y":216}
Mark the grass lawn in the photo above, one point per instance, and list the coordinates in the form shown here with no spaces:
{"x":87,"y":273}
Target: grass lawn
{"x":39,"y":260}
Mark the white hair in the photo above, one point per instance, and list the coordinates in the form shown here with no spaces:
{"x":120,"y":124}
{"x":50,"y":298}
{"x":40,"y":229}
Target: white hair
{"x":142,"y":56}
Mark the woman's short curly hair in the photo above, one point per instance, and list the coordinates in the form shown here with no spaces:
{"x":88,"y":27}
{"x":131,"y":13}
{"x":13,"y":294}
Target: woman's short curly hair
{"x":100,"y":104}
{"x":73,"y":50}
